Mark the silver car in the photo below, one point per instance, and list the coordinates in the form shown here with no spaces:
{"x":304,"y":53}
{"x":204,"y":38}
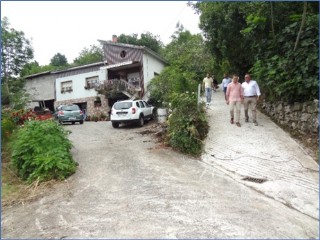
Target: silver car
{"x":136,"y":111}
{"x":69,"y":113}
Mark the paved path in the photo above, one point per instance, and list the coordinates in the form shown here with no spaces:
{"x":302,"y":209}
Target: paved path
{"x":128,"y":186}
{"x":263,"y":152}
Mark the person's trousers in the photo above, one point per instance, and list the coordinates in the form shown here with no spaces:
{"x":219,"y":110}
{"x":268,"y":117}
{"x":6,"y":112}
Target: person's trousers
{"x":250,"y":101}
{"x":208,"y":94}
{"x":235,"y":105}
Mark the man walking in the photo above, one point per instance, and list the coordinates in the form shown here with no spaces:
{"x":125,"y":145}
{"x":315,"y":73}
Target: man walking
{"x":225,"y":81}
{"x":208,"y":85}
{"x":251,"y":94}
{"x":234,"y":96}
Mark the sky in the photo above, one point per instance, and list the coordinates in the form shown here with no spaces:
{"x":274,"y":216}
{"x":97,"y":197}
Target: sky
{"x":67,"y":27}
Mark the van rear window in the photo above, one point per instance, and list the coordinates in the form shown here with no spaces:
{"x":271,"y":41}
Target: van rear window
{"x":70,"y":108}
{"x":122,"y":105}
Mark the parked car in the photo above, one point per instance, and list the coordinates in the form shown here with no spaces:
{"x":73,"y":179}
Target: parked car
{"x":42,"y":113}
{"x":69,"y":113}
{"x":128,"y":111}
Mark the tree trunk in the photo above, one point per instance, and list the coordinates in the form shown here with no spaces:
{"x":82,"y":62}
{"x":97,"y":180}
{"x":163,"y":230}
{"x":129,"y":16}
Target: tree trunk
{"x":302,"y":24}
{"x":272,"y":20}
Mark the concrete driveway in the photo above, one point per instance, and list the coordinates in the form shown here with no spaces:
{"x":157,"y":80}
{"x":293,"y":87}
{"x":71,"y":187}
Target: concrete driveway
{"x":129,"y":186}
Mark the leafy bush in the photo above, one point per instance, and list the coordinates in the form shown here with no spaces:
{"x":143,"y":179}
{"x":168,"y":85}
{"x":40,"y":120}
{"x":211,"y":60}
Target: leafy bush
{"x":22,"y":115}
{"x":41,"y":151}
{"x":187,"y":125}
{"x":11,"y":119}
{"x":291,"y":76}
{"x":7,"y":127}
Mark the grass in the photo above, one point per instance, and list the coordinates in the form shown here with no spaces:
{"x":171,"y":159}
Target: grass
{"x":14,"y":190}
{"x":12,"y":187}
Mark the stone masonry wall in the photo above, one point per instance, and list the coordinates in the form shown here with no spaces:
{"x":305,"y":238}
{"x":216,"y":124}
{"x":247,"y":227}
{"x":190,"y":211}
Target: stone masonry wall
{"x":92,"y":110}
{"x":302,"y":117}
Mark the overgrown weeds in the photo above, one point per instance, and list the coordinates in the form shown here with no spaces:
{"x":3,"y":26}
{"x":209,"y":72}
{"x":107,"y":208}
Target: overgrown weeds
{"x":41,"y":152}
{"x":187,"y":125}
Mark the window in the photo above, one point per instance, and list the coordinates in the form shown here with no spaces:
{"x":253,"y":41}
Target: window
{"x":70,"y":108}
{"x":147,"y":104}
{"x":142,"y":104}
{"x":123,"y":53}
{"x":122,"y":105}
{"x":66,"y":87}
{"x":92,"y":82}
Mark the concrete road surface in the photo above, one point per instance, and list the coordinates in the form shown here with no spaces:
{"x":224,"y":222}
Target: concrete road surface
{"x":262,"y":153}
{"x":130,"y":186}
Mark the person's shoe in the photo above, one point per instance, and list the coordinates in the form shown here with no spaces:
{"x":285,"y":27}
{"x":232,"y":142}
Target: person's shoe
{"x":247,"y":119}
{"x":255,"y":123}
{"x":238,"y":124}
{"x":231,"y":121}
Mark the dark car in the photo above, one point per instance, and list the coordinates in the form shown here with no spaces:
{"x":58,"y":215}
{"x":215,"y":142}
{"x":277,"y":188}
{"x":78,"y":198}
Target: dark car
{"x":42,"y":113}
{"x":69,"y":113}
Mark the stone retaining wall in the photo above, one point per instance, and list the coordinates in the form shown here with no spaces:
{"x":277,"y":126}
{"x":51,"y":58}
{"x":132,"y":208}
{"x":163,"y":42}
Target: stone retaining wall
{"x":92,"y":109}
{"x":302,"y":117}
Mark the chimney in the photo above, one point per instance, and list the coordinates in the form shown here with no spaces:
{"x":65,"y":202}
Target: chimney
{"x":114,"y":38}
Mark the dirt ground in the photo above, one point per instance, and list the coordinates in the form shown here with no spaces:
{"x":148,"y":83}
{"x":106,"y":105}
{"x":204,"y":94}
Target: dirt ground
{"x":130,"y":186}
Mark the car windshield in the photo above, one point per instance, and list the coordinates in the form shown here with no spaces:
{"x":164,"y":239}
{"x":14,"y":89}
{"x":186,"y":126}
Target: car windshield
{"x":70,"y":108}
{"x":122,"y":105}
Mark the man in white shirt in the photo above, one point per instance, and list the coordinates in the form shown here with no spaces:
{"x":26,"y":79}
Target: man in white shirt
{"x":208,"y":85}
{"x":225,"y":81}
{"x":251,"y":93}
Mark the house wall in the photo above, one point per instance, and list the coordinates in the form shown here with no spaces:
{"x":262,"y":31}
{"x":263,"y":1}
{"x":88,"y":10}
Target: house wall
{"x":112,"y":53}
{"x":41,"y":87}
{"x":81,"y":95}
{"x":151,"y":65}
{"x":78,"y":84}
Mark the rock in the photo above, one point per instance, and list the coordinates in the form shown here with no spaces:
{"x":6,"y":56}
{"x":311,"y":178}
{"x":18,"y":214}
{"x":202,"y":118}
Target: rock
{"x":297,"y":107}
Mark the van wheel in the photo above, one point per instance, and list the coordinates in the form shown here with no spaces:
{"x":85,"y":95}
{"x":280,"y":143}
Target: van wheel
{"x":154,"y":115}
{"x":81,"y":122}
{"x":141,"y":121}
{"x":115,"y":124}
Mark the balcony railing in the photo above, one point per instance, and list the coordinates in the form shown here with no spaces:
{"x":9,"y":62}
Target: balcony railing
{"x":118,"y":85}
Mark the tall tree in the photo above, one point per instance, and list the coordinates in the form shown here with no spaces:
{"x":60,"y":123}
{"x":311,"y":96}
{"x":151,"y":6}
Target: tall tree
{"x":189,"y":62}
{"x":151,"y":41}
{"x":266,"y":39}
{"x":146,"y":39}
{"x":59,"y":60}
{"x":34,"y":67}
{"x":89,"y":55}
{"x":128,"y":39}
{"x":16,"y":51}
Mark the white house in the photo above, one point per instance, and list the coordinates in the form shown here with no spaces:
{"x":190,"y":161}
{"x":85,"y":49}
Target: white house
{"x":136,"y":65}
{"x":77,"y":86}
{"x":126,"y":69}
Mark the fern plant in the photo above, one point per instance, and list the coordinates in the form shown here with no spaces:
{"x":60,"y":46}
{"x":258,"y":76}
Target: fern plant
{"x":41,"y":151}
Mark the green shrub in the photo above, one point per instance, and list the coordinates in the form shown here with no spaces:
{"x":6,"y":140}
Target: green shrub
{"x":288,"y":75}
{"x":94,"y":118}
{"x":41,"y":151}
{"x":187,"y":125}
{"x":7,"y":127}
{"x":102,"y":116}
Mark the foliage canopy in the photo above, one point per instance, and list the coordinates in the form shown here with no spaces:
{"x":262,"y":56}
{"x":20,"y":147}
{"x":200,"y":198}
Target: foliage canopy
{"x":276,"y":41}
